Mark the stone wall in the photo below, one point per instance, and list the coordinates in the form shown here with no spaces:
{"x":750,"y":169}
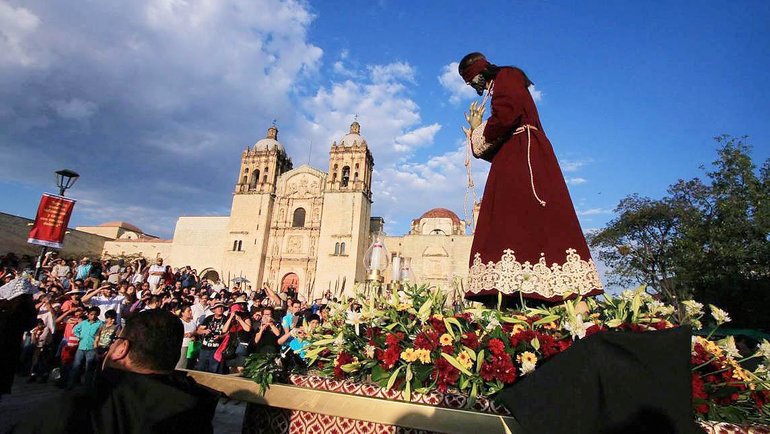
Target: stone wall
{"x":14,"y":231}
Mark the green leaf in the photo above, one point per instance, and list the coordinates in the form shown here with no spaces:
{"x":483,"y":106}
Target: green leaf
{"x":614,"y":323}
{"x":456,"y":364}
{"x":408,"y":388}
{"x":479,"y":360}
{"x":393,"y":378}
{"x":535,"y":343}
{"x":424,"y":312}
{"x":448,"y":326}
{"x":546,"y":320}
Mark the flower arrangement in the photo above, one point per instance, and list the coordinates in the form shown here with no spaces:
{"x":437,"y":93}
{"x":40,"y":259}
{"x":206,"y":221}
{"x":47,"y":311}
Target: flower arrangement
{"x":409,"y":341}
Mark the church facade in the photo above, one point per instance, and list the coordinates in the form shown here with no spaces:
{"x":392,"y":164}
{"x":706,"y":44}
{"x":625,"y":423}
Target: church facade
{"x":305,"y":227}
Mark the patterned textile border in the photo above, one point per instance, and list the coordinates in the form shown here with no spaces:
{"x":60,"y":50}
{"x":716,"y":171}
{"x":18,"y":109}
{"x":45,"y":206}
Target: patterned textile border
{"x":436,"y":399}
{"x":260,"y":419}
{"x":729,"y":428}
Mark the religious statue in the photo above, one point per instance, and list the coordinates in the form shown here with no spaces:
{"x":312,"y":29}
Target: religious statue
{"x":528,"y":240}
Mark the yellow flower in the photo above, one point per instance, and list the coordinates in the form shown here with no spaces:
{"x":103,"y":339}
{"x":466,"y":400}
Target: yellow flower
{"x":409,"y":355}
{"x":438,"y":316}
{"x":445,"y":339}
{"x":423,"y":355}
{"x":527,"y":357}
{"x":465,"y":360}
{"x":403,"y":306}
{"x":517,"y":328}
{"x":550,"y":326}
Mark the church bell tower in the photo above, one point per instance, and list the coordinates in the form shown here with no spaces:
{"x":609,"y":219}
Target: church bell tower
{"x":346,"y":211}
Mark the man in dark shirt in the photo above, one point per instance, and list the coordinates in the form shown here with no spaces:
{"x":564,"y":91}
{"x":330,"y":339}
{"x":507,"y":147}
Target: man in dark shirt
{"x":267,"y":334}
{"x":212,"y":331}
{"x":138,"y":390}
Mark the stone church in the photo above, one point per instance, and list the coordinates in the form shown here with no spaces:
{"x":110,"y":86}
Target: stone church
{"x":303,"y":226}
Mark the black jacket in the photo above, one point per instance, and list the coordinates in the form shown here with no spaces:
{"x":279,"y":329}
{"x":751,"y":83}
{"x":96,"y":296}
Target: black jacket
{"x":125,"y":402}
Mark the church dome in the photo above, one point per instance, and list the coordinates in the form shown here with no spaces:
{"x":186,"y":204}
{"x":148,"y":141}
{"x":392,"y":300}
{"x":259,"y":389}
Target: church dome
{"x":353,"y":138}
{"x":440,"y":213}
{"x":270,"y":142}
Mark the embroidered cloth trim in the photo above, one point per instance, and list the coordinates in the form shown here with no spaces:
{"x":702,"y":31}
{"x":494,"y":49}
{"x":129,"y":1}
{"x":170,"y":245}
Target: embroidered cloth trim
{"x":574,"y":276}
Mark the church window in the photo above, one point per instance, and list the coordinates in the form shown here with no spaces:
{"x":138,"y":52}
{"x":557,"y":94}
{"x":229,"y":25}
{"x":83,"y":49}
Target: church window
{"x":245,"y":180}
{"x":334,"y":177}
{"x":299,"y":218}
{"x":237,"y":245}
{"x":342,"y":249}
{"x":254,"y":178}
{"x":355,"y":177}
{"x":336,"y":249}
{"x":345,"y":176}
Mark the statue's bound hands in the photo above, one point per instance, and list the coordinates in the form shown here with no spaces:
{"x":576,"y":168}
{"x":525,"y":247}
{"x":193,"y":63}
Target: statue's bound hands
{"x":474,"y":116}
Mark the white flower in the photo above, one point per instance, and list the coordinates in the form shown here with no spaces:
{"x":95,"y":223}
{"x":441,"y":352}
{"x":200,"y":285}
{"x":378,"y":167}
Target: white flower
{"x":627,"y":295}
{"x":339,"y":341}
{"x":728,"y":345}
{"x":764,"y":349}
{"x":369,"y":351}
{"x":493,"y":323}
{"x":658,"y":307}
{"x":576,"y":327}
{"x":527,"y":367}
{"x":762,"y":372}
{"x":692,"y":308}
{"x":719,"y":315}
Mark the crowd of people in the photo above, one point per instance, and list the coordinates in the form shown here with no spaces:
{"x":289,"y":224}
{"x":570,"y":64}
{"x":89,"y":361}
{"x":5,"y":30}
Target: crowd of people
{"x":82,"y":306}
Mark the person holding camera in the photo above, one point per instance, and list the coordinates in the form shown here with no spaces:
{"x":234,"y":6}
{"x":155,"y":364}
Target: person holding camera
{"x":266,"y":337}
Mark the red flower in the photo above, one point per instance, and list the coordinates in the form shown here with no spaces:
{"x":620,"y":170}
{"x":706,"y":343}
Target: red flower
{"x":593,"y":330}
{"x":373,"y":333}
{"x":427,"y":340}
{"x":438,"y":324}
{"x":444,"y":374}
{"x":548,"y":345}
{"x":394,"y":338}
{"x":499,"y":368}
{"x":699,"y":394}
{"x":343,"y":359}
{"x":496,"y":346}
{"x":448,"y":349}
{"x":470,"y":340}
{"x":761,"y":398}
{"x":524,"y":336}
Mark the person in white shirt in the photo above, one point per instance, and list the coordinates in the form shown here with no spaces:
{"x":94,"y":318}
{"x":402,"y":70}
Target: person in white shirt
{"x":200,"y":310}
{"x":190,"y":325}
{"x":156,"y":275}
{"x":105,"y":298}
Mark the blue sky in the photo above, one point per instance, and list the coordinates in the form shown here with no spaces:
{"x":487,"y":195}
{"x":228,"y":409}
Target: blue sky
{"x":153,"y":101}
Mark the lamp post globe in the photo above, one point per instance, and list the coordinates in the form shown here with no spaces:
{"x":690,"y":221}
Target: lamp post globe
{"x":65,"y":179}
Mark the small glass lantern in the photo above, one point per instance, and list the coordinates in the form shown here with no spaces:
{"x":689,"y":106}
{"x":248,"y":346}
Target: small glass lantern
{"x":376,"y":260}
{"x":406,"y":275}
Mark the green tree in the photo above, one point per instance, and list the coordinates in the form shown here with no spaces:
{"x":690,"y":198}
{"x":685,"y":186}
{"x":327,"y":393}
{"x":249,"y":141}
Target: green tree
{"x":708,"y":239}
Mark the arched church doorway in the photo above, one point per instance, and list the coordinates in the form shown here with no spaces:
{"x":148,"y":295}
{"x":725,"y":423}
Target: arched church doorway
{"x":290,"y":280}
{"x":210,"y":274}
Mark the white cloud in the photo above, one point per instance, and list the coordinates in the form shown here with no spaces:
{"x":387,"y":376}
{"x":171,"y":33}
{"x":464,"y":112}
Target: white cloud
{"x":454,"y":84}
{"x":575,"y":180}
{"x":568,"y":165}
{"x":537,"y":94}
{"x":392,"y":72}
{"x":416,"y":138}
{"x":170,"y":89}
{"x":593,"y":211}
{"x":390,"y":120}
{"x":16,"y":24}
{"x":405,"y":191}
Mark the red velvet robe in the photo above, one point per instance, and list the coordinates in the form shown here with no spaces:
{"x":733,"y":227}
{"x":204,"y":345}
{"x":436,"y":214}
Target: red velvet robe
{"x":520,"y":245}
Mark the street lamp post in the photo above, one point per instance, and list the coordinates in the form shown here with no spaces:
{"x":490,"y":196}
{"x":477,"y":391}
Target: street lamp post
{"x":65,"y":179}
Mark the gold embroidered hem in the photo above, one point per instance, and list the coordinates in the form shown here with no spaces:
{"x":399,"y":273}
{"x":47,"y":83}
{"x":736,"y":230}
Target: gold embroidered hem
{"x":574,"y":276}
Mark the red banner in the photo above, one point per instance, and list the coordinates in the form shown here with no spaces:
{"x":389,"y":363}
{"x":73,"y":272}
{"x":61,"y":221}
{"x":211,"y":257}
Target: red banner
{"x":53,"y":215}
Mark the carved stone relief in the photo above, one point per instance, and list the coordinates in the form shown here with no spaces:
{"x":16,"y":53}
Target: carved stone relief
{"x":294,"y":245}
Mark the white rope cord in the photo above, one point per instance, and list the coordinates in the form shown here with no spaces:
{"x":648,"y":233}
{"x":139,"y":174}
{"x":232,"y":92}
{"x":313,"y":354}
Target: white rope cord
{"x":519,"y":130}
{"x":470,"y":189}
